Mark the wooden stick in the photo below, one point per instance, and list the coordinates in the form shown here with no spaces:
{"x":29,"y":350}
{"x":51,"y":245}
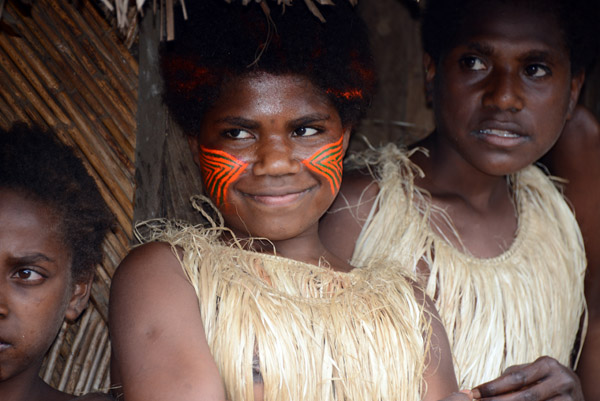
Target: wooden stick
{"x":88,"y":358}
{"x":85,"y":69}
{"x":22,"y":97}
{"x":103,"y":369}
{"x":75,"y":345}
{"x":67,"y":76}
{"x":109,"y":63}
{"x":53,"y":353}
{"x":95,"y":363}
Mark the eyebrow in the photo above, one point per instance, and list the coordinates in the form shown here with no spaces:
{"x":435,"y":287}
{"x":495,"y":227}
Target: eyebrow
{"x":482,"y":48}
{"x":239,"y":121}
{"x":310,"y":118}
{"x":31,"y":258}
{"x":251,"y":124}
{"x":531,"y":56}
{"x":538,"y":55}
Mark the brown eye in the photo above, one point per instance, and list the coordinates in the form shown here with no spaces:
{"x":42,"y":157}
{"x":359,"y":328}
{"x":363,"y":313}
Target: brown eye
{"x":305,"y":131}
{"x":472,"y":63}
{"x":537,"y":71}
{"x":29,"y":276}
{"x":237,"y":134}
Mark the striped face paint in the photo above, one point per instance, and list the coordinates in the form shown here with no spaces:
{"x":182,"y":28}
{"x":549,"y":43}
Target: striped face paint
{"x":219,"y":170}
{"x":327,"y":162}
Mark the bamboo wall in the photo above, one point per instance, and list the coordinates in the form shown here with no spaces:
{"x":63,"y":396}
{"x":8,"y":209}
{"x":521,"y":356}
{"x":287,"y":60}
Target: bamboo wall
{"x":67,"y":71}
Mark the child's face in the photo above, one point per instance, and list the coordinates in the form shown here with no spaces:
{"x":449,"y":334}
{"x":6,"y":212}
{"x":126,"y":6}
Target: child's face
{"x":270,"y":152}
{"x":36,"y":290}
{"x":502,"y":95}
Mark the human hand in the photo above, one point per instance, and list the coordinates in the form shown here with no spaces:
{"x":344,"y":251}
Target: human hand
{"x":543,"y":379}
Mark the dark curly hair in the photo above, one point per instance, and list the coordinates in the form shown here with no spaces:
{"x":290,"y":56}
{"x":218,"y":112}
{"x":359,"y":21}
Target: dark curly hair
{"x":223,"y":41}
{"x":442,"y":21}
{"x":34,"y":163}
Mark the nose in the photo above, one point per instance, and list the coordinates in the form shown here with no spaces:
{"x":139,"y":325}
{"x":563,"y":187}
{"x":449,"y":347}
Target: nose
{"x":275,"y":157}
{"x":503,"y":91}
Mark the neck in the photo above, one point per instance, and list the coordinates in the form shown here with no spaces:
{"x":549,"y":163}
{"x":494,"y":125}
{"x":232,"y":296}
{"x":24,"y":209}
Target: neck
{"x":306,"y":247}
{"x":28,"y":386}
{"x":448,"y":174}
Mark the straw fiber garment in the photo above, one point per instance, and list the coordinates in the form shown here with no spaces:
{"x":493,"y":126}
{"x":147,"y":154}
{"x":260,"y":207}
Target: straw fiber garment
{"x":66,"y":70}
{"x":501,"y":311}
{"x":317,"y":334}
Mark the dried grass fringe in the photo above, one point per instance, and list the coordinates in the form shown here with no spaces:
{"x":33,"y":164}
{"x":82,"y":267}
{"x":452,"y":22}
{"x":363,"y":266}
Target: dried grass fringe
{"x":501,"y":311}
{"x":319,"y":334}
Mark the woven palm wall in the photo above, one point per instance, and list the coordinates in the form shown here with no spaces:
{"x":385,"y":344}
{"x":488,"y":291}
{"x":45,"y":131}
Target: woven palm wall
{"x":67,"y":70}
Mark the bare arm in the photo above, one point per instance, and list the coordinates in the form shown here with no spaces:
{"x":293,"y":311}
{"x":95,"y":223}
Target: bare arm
{"x":576,"y":157}
{"x":340,"y":227}
{"x":159,"y":346}
{"x":439,"y":371}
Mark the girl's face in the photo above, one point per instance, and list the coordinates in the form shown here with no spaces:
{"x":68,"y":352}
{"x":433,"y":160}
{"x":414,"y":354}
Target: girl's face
{"x":36,"y":289}
{"x":502,"y":95}
{"x":270,"y":151}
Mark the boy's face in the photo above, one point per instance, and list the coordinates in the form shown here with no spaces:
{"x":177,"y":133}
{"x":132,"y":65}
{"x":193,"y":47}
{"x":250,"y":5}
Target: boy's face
{"x":270,"y":152}
{"x":36,"y":289}
{"x":502,"y":95}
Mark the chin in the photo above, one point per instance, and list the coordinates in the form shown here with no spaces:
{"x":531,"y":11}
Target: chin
{"x":503,"y":167}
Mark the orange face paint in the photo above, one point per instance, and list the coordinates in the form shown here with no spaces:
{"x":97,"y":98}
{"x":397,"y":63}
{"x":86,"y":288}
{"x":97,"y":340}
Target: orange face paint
{"x":219,"y":170}
{"x":327,"y":162}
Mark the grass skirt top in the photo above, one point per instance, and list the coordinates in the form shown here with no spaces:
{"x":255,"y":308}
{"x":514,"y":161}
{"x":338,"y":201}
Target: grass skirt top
{"x":317,"y":334}
{"x":507,"y":310}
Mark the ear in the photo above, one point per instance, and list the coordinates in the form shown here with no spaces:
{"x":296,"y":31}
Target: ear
{"x":429,"y":71}
{"x":576,"y":84}
{"x":346,"y":139}
{"x":195,"y":148}
{"x":79,"y":299}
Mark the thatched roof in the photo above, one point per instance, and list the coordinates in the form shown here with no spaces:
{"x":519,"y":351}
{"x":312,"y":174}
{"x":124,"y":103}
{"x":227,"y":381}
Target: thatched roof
{"x":125,"y":10}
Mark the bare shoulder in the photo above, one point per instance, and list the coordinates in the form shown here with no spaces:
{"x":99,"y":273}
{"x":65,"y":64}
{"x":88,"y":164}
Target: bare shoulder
{"x":157,"y":333}
{"x":582,"y":129}
{"x":576,"y":158}
{"x":145,"y":269}
{"x":147,"y":284}
{"x":340,"y":227}
{"x":150,"y":255}
{"x":577,"y":146}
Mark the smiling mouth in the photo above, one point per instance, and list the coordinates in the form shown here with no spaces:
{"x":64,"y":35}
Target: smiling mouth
{"x":278,"y":199}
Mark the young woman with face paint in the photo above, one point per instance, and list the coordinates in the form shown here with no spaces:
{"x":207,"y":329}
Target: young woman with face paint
{"x":257,"y":308}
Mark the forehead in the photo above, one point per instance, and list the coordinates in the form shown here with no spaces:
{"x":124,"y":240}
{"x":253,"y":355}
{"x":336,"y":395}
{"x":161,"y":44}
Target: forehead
{"x":513,"y":23}
{"x":29,"y":225}
{"x":266,"y":94}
